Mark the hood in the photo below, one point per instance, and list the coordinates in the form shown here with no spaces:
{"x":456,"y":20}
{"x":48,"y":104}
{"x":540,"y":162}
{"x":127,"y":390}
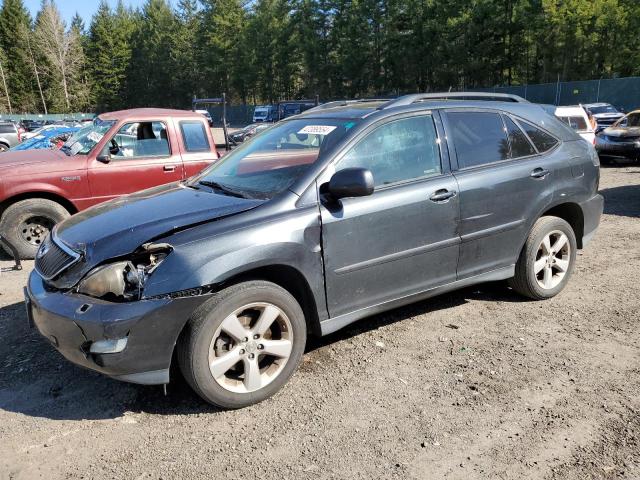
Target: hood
{"x":116,"y":228}
{"x":14,"y":163}
{"x":622,"y":132}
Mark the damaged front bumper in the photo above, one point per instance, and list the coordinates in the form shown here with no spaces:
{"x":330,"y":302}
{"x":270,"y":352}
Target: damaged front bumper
{"x":143,"y":333}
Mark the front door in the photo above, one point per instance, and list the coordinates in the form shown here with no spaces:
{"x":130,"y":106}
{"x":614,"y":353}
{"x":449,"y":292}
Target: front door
{"x":403,"y":238}
{"x":140,"y":156}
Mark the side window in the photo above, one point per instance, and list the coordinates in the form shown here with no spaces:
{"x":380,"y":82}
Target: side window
{"x":7,"y":129}
{"x":479,"y":138}
{"x":520,"y":145}
{"x":398,"y":151}
{"x":140,"y":140}
{"x":541,"y":139}
{"x":194,"y":136}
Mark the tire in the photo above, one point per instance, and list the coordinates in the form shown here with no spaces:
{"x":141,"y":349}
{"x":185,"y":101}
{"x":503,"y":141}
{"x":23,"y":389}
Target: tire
{"x":206,"y":341}
{"x":557,"y":263}
{"x":3,"y":147}
{"x":26,"y":223}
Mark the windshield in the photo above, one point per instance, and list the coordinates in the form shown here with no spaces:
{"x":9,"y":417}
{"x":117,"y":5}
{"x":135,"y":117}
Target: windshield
{"x":602,"y":109}
{"x":83,"y":141}
{"x":631,"y":120}
{"x":272,"y":161}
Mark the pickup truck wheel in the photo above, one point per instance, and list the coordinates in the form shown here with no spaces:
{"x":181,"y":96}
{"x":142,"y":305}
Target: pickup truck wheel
{"x":243,"y":344}
{"x":547,"y":259}
{"x":27,"y":223}
{"x":3,"y":147}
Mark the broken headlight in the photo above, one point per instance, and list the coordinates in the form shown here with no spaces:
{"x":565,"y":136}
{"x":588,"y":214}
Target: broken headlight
{"x":123,"y":280}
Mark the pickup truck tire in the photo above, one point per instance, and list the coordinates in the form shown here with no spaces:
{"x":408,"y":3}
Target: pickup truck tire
{"x":26,"y":223}
{"x":547,"y":259}
{"x":4,"y":147}
{"x":243,"y":344}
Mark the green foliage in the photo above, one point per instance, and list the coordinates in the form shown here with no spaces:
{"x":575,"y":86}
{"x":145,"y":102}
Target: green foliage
{"x":262,"y":51}
{"x":15,"y":26}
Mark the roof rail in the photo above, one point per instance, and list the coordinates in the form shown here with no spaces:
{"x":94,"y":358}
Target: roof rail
{"x":420,"y":97}
{"x":344,"y":103}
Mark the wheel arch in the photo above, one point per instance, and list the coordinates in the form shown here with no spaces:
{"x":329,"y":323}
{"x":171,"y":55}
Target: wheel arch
{"x":68,"y":205}
{"x":571,"y":213}
{"x":289,"y":278}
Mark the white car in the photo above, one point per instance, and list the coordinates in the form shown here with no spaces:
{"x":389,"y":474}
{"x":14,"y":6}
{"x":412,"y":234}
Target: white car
{"x":38,"y":131}
{"x":577,"y":118}
{"x":207,"y":115}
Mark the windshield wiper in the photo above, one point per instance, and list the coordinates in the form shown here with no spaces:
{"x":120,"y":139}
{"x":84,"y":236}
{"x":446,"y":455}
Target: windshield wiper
{"x":224,"y":188}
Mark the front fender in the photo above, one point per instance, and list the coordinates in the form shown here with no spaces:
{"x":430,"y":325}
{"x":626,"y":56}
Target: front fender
{"x":292,"y":241}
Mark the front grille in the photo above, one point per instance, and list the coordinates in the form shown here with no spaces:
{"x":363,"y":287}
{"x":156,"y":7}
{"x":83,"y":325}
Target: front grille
{"x":52,"y":259}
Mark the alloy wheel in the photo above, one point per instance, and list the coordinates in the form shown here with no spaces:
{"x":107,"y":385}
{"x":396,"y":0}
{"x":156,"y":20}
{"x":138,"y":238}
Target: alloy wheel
{"x":552,"y":259}
{"x":250,"y":347}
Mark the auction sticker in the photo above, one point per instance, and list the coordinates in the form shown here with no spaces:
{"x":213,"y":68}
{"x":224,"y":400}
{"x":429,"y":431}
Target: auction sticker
{"x":317,"y":129}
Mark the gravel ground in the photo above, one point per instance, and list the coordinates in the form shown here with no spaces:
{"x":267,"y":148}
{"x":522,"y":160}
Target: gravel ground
{"x":474,"y":384}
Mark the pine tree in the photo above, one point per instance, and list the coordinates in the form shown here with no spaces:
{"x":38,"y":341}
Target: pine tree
{"x":151,"y":74}
{"x":15,"y":26}
{"x":109,"y":55}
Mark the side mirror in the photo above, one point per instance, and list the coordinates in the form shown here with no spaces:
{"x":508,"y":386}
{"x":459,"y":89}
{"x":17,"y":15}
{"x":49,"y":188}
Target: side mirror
{"x":104,"y":158}
{"x":351,"y":182}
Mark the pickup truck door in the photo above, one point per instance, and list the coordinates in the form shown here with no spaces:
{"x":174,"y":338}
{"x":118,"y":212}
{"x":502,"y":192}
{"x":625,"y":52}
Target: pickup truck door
{"x":403,"y":238}
{"x":196,"y":145}
{"x":139,"y":155}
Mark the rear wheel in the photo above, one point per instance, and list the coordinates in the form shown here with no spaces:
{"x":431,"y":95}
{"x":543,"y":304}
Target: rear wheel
{"x":26,"y":223}
{"x":547,"y":259}
{"x":3,"y":147}
{"x":243,"y":344}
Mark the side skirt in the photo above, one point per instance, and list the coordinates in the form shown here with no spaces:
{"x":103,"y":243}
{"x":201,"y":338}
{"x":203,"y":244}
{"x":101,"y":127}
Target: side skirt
{"x":333,"y":324}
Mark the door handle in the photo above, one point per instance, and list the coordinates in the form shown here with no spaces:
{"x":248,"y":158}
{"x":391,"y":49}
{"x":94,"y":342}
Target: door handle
{"x":169,"y":168}
{"x":539,"y":173}
{"x":442,"y":195}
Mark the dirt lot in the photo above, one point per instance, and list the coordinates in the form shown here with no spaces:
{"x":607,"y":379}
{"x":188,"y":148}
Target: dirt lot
{"x":475,"y":384}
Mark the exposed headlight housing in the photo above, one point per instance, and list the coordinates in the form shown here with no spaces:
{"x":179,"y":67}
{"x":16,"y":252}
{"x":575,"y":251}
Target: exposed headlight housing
{"x":123,"y":281}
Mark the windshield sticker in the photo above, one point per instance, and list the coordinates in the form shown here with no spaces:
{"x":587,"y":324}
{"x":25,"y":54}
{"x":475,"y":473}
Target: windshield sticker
{"x":317,"y":129}
{"x":95,"y":137}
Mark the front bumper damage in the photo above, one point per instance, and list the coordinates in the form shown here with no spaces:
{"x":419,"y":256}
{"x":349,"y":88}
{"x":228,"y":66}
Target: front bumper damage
{"x":74,"y":322}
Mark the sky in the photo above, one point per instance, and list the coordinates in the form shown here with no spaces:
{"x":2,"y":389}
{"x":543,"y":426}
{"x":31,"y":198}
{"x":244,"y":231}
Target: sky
{"x":86,"y":8}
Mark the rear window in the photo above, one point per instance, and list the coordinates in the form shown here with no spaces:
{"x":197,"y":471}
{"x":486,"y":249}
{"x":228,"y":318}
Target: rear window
{"x":541,"y":139}
{"x":479,"y":138}
{"x":579,"y":124}
{"x":7,"y":128}
{"x":195,"y":136}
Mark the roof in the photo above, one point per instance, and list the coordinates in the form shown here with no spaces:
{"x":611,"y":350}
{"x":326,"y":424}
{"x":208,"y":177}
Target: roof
{"x":147,"y":113}
{"x":358,"y":109}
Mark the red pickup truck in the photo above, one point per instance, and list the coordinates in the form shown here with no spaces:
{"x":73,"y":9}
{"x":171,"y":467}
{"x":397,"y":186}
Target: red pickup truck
{"x":119,"y":153}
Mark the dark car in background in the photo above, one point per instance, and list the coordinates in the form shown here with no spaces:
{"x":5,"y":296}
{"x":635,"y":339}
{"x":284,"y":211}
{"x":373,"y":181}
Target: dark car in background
{"x":294,"y":107}
{"x":247,"y":132}
{"x":604,"y":114}
{"x":621,"y":140}
{"x":10,"y":136}
{"x":345,"y":211}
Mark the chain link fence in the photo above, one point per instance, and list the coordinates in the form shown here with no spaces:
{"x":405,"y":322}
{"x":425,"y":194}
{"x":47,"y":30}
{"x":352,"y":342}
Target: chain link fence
{"x":623,"y":93}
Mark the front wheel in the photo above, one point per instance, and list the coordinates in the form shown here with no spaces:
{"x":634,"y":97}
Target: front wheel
{"x":26,"y":223}
{"x":242,"y":345}
{"x":547,"y":259}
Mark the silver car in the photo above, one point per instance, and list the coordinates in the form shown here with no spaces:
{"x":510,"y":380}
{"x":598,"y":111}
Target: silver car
{"x":9,"y":136}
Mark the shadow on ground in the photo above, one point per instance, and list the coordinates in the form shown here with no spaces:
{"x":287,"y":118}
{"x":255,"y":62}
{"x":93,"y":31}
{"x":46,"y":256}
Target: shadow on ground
{"x":622,"y":201}
{"x":35,"y":380}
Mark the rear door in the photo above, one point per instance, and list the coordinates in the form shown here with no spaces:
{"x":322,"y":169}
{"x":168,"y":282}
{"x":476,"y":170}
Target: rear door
{"x":196,"y":145}
{"x":403,"y":238}
{"x":141,"y":156}
{"x":505,"y":170}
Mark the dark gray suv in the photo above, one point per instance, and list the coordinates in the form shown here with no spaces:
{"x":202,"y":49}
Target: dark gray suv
{"x":350,"y":209}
